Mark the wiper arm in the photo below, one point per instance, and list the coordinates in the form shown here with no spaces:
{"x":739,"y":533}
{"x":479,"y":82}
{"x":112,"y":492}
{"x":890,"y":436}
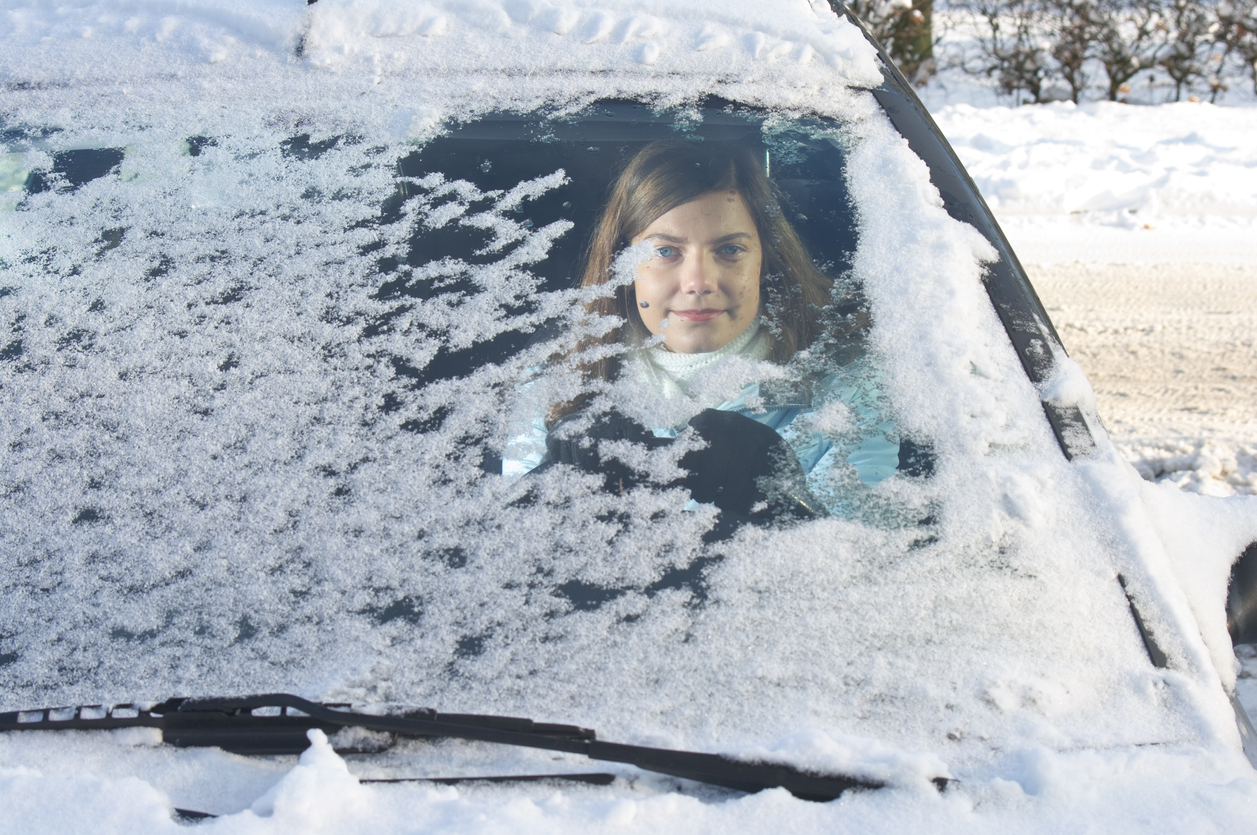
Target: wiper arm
{"x":230,"y":724}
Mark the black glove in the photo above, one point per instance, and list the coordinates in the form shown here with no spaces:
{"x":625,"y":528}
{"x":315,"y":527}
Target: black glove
{"x":580,"y":450}
{"x":745,"y":463}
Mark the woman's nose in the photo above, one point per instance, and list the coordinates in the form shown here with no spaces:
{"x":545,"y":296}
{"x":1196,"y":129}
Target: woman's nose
{"x":698,"y":276}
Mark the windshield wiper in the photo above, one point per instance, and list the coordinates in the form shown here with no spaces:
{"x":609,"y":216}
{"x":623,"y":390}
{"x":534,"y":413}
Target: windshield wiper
{"x":241,"y":725}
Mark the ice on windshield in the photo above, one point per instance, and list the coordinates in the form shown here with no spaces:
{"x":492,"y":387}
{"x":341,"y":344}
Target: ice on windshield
{"x":293,"y":406}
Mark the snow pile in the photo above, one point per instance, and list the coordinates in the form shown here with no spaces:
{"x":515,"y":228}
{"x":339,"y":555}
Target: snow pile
{"x":1197,"y":466}
{"x":1150,"y":162}
{"x":1114,"y":182}
{"x":1068,"y":386}
{"x":319,"y":794}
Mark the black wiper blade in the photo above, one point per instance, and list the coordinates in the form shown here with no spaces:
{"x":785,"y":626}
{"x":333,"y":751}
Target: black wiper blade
{"x":594,"y":779}
{"x":233,"y":724}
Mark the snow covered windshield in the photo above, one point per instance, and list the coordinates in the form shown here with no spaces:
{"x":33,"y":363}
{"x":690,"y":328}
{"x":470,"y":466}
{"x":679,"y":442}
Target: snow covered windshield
{"x":394,"y":416}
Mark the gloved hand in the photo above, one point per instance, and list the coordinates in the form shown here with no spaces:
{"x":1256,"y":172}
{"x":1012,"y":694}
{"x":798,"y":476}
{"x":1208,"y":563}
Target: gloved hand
{"x":580,"y":450}
{"x":745,"y":463}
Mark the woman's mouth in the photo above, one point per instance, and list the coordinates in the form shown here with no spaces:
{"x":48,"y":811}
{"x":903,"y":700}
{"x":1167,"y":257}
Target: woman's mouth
{"x":696,"y":315}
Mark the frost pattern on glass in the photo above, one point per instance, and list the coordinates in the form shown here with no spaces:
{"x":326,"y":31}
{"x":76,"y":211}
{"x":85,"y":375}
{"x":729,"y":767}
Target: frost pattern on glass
{"x":256,"y":389}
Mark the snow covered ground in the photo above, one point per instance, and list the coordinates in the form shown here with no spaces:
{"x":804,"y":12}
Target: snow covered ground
{"x":1138,"y":225}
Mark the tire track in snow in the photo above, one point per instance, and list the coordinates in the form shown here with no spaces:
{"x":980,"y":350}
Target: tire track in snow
{"x":1171,"y":350}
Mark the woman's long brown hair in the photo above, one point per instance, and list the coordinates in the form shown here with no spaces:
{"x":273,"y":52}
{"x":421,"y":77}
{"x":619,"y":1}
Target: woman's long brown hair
{"x":664,"y":175}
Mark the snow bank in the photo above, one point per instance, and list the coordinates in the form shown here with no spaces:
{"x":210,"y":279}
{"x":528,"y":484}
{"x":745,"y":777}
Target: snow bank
{"x":1114,"y":182}
{"x":1149,"y":162}
{"x":1209,"y":469}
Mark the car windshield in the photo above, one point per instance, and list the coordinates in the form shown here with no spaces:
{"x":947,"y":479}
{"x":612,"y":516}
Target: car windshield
{"x":357,"y":412}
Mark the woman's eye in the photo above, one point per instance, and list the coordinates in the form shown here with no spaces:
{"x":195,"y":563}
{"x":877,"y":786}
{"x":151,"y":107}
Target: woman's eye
{"x":730,"y":250}
{"x":665,"y":251}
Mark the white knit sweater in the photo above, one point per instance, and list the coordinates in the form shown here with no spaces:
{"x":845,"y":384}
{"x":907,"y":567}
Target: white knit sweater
{"x":669,"y":371}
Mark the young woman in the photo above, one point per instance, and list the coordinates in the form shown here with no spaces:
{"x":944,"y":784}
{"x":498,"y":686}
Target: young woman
{"x":726,"y":264}
{"x":719,"y":272}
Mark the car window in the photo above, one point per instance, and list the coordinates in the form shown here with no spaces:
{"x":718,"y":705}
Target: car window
{"x":296,"y":405}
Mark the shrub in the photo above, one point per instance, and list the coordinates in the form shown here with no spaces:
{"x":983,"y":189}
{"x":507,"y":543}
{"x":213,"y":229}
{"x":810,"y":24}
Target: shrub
{"x":1044,"y":50}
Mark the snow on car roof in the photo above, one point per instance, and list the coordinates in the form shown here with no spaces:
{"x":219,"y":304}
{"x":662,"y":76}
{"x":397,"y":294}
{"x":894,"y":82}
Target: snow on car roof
{"x":796,"y":46}
{"x":795,"y":40}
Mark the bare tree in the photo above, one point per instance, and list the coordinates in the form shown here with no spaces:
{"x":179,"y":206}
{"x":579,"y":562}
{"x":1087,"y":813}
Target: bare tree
{"x":1041,"y":50}
{"x":1074,"y":26}
{"x":1236,"y":38}
{"x":1190,"y":30}
{"x":1129,"y":36}
{"x":1012,"y":50}
{"x":1033,"y":45}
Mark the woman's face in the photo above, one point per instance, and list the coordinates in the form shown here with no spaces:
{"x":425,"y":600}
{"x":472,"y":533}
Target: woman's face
{"x":701,"y":287}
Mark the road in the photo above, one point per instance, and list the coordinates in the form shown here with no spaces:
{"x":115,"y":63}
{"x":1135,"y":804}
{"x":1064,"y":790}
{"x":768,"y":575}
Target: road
{"x":1171,"y":350}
